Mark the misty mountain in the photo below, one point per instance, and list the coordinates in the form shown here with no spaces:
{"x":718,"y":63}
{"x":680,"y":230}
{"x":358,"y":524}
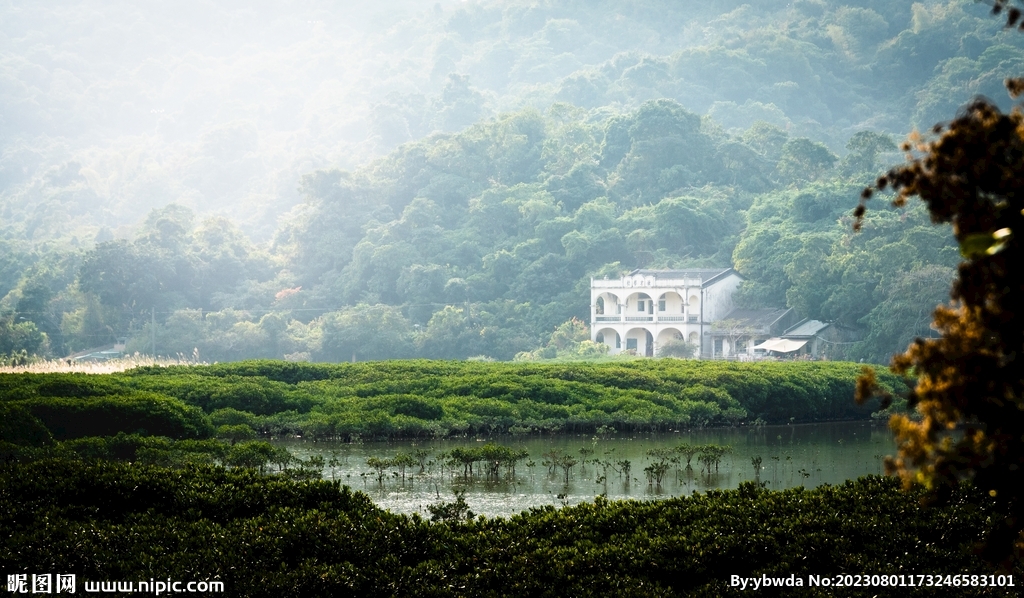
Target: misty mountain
{"x":441,"y":179}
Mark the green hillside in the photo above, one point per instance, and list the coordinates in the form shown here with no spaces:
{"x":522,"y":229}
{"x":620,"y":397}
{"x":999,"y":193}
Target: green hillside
{"x":312,"y":183}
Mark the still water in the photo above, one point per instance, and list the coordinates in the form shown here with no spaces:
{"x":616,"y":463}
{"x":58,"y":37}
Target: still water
{"x":797,"y":455}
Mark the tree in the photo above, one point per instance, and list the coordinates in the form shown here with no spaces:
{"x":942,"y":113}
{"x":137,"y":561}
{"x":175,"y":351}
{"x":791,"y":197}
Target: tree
{"x":864,"y":148}
{"x":766,"y":139}
{"x":761,"y":257}
{"x":236,"y":433}
{"x":168,"y":228}
{"x":223,"y":258}
{"x":733,"y":330}
{"x":569,"y":334}
{"x":252,"y":454}
{"x":969,"y":393}
{"x":805,"y":159}
{"x":904,"y":306}
{"x":570,"y":340}
{"x":678,"y":348}
{"x":451,"y":512}
{"x":122,"y":275}
{"x":459,"y":104}
{"x":21,"y":336}
{"x":666,"y":151}
{"x":366,"y":332}
{"x":450,"y":334}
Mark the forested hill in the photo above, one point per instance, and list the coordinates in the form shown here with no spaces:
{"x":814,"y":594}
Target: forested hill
{"x":148,"y":154}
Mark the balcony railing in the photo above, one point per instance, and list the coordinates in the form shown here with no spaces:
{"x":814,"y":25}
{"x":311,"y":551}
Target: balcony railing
{"x":659,"y":283}
{"x":648,"y":318}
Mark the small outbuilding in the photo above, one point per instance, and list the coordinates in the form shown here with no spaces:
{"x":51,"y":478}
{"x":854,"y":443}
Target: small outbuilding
{"x":808,"y":338}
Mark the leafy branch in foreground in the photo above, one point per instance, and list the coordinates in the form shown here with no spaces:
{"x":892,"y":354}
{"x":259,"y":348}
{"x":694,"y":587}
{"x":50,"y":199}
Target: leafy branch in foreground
{"x":969,"y":393}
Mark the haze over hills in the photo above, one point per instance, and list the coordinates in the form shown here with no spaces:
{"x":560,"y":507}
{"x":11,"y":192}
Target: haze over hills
{"x":439,"y":180}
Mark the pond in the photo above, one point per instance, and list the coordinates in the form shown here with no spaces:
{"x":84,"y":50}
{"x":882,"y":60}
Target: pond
{"x":795,"y":455}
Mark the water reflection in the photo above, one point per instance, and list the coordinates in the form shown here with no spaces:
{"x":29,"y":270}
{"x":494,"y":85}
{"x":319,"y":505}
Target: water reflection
{"x":619,"y":467}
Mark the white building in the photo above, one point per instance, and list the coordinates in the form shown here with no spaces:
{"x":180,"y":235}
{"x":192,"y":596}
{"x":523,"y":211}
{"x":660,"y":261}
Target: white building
{"x":646,"y":309}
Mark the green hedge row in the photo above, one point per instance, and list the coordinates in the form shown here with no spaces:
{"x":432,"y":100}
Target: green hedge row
{"x":439,"y":398}
{"x":267,"y":536}
{"x":131,"y":412}
{"x":18,"y":426}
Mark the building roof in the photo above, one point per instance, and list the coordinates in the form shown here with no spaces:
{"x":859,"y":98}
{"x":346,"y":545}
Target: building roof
{"x":806,"y":328}
{"x":756,"y":318}
{"x":706,"y":275}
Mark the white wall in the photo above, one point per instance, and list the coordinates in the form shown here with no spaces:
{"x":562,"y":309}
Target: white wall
{"x":718,"y":297}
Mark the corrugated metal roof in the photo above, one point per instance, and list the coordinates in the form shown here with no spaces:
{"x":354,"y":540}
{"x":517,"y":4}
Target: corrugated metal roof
{"x":806,"y":328}
{"x":756,"y":318}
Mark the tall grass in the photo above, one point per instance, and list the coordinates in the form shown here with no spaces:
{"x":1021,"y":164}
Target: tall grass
{"x":56,"y":366}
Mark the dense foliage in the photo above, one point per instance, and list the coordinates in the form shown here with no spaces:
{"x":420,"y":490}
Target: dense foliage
{"x":436,"y":398}
{"x":267,"y":536}
{"x":541,"y":145}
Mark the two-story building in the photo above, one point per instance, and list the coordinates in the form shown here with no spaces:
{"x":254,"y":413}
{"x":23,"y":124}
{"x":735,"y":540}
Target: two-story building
{"x":646,"y":309}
